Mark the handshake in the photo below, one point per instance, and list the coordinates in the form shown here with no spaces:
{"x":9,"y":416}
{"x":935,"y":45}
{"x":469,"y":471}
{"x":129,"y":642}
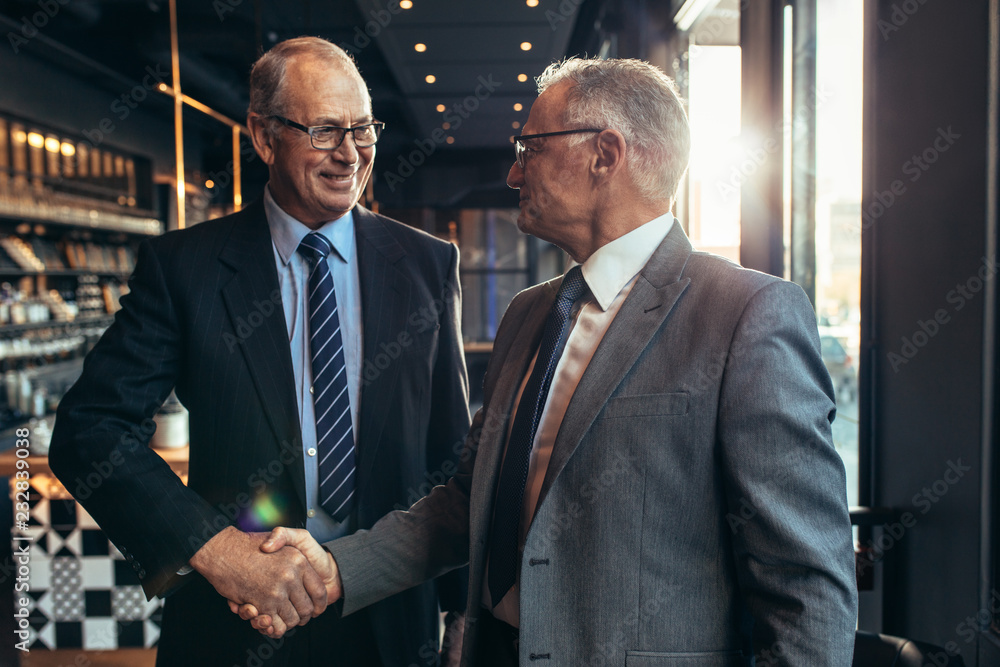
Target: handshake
{"x":275,"y":580}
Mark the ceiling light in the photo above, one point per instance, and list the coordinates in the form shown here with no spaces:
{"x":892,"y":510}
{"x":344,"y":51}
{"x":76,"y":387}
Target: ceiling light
{"x":430,"y":78}
{"x":518,"y":106}
{"x":20,"y":136}
{"x":515,"y":125}
{"x":522,"y":77}
{"x":419,"y":47}
{"x":67,"y":149}
{"x":525,"y":46}
{"x":210,"y":184}
{"x":405,"y":4}
{"x":440,"y":108}
{"x":52,"y":145}
{"x":532,"y":3}
{"x":446,"y":126}
{"x":36,"y":140}
{"x":450,"y":140}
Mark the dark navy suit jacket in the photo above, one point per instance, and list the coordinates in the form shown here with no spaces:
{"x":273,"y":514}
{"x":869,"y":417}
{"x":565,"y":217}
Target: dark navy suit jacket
{"x":204,"y":315}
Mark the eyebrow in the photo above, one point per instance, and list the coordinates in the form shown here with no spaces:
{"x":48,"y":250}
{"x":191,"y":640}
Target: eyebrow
{"x":364,"y":120}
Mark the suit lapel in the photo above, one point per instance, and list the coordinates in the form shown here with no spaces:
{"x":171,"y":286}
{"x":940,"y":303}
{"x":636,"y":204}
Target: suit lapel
{"x":516,"y":355}
{"x":262,"y":331}
{"x":385,"y":305}
{"x":651,"y":300}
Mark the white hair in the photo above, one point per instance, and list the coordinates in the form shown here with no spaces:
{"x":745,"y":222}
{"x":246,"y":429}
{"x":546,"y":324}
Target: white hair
{"x":640,"y":101}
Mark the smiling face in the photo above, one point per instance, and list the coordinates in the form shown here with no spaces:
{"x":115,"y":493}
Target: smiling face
{"x":316,"y":186}
{"x":553,"y":184}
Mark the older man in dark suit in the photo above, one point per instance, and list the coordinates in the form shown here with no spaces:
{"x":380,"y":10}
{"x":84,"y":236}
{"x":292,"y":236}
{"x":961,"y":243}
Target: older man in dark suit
{"x":652,"y":479}
{"x":317,"y":347}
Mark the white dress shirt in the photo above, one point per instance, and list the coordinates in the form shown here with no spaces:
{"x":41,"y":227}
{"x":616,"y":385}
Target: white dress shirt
{"x":293,"y":279}
{"x":610,"y":274}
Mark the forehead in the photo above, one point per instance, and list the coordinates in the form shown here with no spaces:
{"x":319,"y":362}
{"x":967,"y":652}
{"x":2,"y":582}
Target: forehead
{"x":546,"y":113}
{"x":319,"y":90}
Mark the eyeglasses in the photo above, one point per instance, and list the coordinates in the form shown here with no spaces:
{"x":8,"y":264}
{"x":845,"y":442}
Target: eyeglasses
{"x":520,"y":149}
{"x":329,"y":137}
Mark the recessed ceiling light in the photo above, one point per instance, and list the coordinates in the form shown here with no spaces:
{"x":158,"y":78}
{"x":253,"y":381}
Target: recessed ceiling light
{"x":430,"y":78}
{"x":515,"y":125}
{"x":52,"y":144}
{"x":405,"y":4}
{"x":532,"y":3}
{"x":210,"y":184}
{"x":450,"y":140}
{"x":446,"y":126}
{"x":67,"y":149}
{"x":440,"y":108}
{"x":522,"y":77}
{"x":36,"y":140}
{"x":419,"y":47}
{"x":518,"y":106}
{"x":525,"y":46}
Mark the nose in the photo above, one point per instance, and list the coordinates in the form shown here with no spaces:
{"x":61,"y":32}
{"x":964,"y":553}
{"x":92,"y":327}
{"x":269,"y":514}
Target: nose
{"x":347,"y":151}
{"x":515,"y":177}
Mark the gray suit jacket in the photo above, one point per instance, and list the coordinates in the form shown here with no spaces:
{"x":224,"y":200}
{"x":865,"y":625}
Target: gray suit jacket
{"x":694,"y":511}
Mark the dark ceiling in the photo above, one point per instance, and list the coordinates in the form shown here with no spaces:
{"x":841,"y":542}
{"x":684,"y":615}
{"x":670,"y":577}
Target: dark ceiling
{"x":470,"y":47}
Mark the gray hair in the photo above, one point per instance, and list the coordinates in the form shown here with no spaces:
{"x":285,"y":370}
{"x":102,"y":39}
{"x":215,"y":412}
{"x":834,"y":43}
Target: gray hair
{"x":267,"y":94}
{"x":640,"y":101}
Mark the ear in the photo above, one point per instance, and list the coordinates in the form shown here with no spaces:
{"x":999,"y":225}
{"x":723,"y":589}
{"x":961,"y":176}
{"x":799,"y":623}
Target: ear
{"x":263,"y":140}
{"x":610,"y":156}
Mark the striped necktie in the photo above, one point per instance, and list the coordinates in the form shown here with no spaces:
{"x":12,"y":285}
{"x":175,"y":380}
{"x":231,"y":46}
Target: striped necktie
{"x":334,"y":434}
{"x":504,"y":537}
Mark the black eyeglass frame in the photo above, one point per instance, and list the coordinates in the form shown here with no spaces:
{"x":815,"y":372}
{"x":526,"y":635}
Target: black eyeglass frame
{"x":519,"y":147}
{"x":378,"y":125}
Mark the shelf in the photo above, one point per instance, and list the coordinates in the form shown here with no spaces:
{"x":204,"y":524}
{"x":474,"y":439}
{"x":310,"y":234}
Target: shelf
{"x":20,"y":273}
{"x":53,"y":324}
{"x":74,"y":217}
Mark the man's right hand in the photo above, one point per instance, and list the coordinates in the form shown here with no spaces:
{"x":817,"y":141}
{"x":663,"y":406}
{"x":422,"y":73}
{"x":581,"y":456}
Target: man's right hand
{"x":279,"y":582}
{"x":319,"y":558}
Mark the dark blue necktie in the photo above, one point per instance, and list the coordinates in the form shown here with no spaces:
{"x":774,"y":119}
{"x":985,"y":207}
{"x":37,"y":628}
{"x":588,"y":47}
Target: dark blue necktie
{"x":504,"y":556}
{"x":334,"y":435}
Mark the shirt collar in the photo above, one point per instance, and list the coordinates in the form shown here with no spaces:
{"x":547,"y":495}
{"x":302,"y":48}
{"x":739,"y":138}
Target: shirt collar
{"x":615,"y":264}
{"x":287,"y":232}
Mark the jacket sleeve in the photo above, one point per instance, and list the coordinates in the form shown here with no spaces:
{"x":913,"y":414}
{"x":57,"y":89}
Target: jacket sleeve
{"x":786,"y":490}
{"x":100,"y":445}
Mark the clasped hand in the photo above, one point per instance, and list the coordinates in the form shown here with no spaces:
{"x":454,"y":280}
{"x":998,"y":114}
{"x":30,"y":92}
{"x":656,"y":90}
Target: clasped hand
{"x":276,"y":580}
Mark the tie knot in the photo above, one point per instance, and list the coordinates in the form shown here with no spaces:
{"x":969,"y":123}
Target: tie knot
{"x":315,"y":247}
{"x":573,"y":285}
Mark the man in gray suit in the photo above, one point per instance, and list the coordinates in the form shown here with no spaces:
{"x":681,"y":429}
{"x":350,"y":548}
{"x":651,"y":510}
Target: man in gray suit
{"x":651,"y":479}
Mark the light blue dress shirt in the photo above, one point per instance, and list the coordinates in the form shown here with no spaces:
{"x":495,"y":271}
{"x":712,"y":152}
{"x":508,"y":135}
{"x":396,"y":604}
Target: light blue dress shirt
{"x":293,"y":279}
